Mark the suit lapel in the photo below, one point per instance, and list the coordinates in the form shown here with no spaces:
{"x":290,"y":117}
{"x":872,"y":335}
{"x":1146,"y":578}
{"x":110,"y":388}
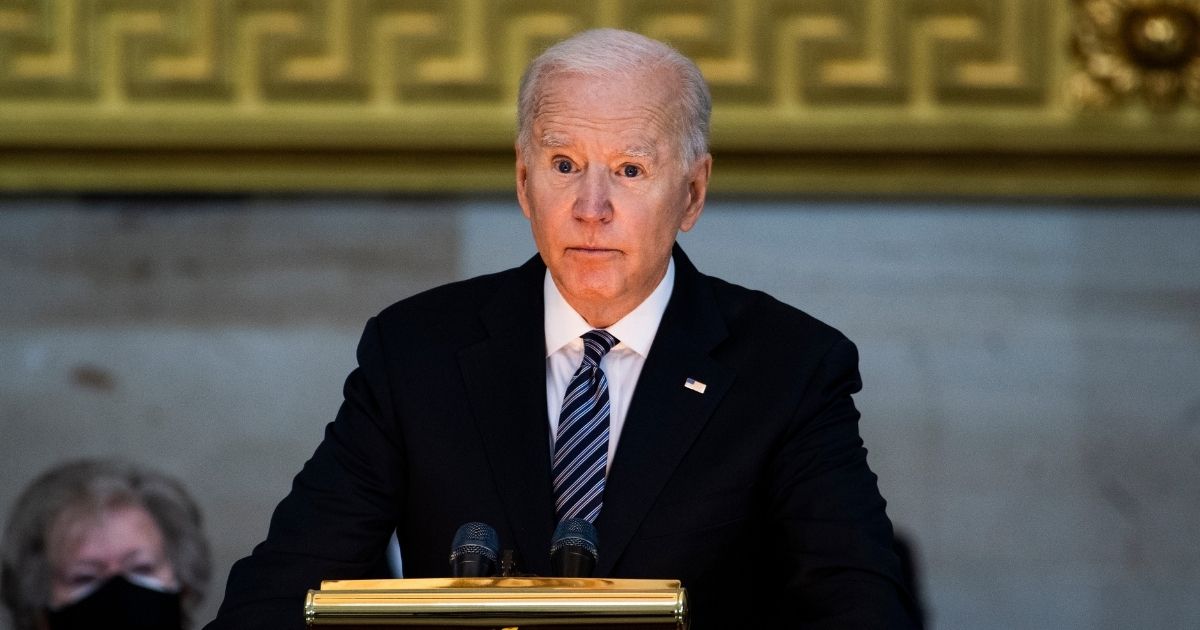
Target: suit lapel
{"x":505,"y":376}
{"x":664,"y":416}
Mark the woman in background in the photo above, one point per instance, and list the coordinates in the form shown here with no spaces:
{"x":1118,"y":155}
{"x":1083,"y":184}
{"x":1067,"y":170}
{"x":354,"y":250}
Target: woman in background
{"x":103,"y":544}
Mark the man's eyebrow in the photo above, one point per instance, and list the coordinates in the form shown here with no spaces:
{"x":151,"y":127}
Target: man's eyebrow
{"x":554,"y":140}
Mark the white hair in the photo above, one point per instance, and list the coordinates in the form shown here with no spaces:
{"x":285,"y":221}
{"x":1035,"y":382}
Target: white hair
{"x":610,"y":53}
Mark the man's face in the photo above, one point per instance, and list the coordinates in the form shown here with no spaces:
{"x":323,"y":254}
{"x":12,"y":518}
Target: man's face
{"x":604,"y":188}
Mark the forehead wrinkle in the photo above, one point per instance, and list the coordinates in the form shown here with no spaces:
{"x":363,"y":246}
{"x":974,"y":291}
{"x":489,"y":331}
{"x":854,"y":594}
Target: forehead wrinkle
{"x":661,"y":115}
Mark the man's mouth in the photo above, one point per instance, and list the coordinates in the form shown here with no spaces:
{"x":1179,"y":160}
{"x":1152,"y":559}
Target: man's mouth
{"x":587,"y":249}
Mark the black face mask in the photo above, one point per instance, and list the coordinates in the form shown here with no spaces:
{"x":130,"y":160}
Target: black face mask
{"x":119,"y":603}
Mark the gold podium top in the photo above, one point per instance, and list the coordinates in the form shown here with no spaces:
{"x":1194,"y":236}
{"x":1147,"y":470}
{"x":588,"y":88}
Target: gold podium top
{"x":499,"y":602}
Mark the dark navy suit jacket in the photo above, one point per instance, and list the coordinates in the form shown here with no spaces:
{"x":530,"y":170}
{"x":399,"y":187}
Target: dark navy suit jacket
{"x":755,"y":493}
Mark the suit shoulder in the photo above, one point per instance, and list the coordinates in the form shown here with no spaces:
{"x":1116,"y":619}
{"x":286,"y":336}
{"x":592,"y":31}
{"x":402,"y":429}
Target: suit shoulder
{"x":754,"y":312}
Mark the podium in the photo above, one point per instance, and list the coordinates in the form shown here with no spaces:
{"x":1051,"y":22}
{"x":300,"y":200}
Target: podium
{"x":508,"y":602}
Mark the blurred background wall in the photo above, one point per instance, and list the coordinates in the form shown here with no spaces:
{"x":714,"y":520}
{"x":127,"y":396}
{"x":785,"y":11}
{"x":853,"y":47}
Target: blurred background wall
{"x":1031,"y":400}
{"x":188,"y":252}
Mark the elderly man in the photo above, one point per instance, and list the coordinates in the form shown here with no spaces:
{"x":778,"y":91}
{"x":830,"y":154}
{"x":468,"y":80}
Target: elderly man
{"x":705,"y":429}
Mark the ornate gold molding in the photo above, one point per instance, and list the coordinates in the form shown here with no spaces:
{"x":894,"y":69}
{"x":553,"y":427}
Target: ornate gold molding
{"x":1147,"y":48}
{"x":844,"y":96}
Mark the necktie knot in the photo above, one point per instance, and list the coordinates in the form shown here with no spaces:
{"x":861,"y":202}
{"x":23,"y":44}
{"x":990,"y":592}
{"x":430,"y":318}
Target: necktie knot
{"x":596,"y":344}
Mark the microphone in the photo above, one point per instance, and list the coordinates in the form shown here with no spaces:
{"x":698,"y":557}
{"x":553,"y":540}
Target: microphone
{"x":473,"y":552}
{"x":573,"y":552}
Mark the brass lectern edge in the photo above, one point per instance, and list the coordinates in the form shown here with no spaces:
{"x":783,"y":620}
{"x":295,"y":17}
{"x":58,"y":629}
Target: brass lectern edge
{"x":531,"y":583}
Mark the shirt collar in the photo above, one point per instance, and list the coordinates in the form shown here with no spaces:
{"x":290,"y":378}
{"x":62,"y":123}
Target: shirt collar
{"x":635,"y":331}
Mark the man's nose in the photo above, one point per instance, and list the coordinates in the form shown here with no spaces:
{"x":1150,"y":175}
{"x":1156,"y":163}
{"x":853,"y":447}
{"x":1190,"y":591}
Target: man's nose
{"x":593,"y":201}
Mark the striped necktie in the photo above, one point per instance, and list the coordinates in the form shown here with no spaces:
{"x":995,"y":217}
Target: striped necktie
{"x":581,"y":446}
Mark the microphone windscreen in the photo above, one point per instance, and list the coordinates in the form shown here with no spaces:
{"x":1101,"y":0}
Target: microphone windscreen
{"x":575,"y":533}
{"x":475,"y":537}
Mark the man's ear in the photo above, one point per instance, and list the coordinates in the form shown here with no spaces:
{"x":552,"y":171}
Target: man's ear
{"x":697,"y":183}
{"x":522,"y":175}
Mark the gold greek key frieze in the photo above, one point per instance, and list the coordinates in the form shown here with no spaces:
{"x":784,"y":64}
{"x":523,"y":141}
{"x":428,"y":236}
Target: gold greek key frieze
{"x":373,"y":52}
{"x":141,"y":93}
{"x":248,"y":52}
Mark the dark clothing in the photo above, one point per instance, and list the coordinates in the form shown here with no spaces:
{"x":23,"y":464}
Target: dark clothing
{"x":755,"y":493}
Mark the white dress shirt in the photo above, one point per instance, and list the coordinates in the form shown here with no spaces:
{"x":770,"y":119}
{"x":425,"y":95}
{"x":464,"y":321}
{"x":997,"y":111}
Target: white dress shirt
{"x":622,"y":365}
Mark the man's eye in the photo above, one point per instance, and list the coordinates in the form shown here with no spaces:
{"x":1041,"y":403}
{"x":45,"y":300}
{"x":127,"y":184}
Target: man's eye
{"x":630,"y":170}
{"x":563,"y":166}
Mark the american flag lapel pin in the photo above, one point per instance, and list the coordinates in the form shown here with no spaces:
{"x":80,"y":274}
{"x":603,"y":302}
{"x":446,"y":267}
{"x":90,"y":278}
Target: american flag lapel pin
{"x":695,"y":385}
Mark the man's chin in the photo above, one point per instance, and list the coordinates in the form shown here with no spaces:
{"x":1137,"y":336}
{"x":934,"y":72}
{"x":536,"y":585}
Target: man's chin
{"x":592,"y":286}
{"x":592,"y":292}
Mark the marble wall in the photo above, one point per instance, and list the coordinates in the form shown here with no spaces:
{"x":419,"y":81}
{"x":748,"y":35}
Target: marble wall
{"x":1032,"y":397}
